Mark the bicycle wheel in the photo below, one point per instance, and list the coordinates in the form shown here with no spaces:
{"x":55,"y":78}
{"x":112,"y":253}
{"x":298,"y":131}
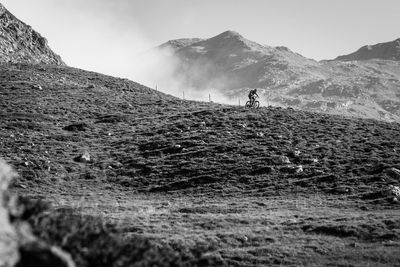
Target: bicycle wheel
{"x":248,"y":104}
{"x":256,"y":104}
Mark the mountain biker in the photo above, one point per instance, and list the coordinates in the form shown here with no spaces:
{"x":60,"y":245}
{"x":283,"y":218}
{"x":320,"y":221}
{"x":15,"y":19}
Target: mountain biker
{"x":252,"y":95}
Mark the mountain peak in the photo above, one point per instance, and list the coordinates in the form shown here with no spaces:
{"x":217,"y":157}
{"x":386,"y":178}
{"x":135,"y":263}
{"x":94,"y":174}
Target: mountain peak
{"x":21,"y":44}
{"x":230,"y":34}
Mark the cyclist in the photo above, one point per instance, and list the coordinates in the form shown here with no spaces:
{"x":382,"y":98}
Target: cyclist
{"x":252,"y":96}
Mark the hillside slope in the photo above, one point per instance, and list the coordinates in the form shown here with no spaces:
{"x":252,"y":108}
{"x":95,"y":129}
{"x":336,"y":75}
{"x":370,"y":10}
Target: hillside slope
{"x":19,"y":43}
{"x":230,"y":64}
{"x":237,"y":187}
{"x":152,"y":140}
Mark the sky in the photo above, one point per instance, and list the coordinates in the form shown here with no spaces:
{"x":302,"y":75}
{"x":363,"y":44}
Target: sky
{"x":106,"y":35}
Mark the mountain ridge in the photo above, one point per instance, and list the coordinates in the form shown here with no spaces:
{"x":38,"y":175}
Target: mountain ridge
{"x":386,"y":51}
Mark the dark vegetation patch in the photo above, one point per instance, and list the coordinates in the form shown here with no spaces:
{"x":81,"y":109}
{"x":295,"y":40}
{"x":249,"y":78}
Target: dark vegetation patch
{"x":209,"y":209}
{"x":93,"y":242}
{"x":76,"y":127}
{"x":112,"y":118}
{"x":188,"y":183}
{"x":369,"y":231}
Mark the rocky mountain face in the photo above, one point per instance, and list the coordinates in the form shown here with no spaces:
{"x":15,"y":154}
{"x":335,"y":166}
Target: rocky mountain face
{"x":388,"y":51}
{"x":180,"y":43}
{"x":232,"y":64}
{"x":19,"y":43}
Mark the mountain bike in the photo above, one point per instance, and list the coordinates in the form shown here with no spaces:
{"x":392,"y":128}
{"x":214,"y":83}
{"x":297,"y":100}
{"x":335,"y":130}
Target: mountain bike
{"x":252,"y":104}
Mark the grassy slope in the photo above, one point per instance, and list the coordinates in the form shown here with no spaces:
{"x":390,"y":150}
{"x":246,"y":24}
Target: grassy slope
{"x":189,"y":173}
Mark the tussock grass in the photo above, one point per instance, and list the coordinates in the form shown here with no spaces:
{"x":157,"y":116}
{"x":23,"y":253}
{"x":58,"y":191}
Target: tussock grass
{"x":93,"y":242}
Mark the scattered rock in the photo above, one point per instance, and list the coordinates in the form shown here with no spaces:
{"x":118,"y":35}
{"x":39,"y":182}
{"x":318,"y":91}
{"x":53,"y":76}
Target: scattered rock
{"x":281,"y":160}
{"x":37,"y":87}
{"x":85,"y":158}
{"x":292,"y":169}
{"x":22,"y":186}
{"x":299,"y":169}
{"x":342,"y":190}
{"x":394,"y":173}
{"x":393,"y":193}
{"x":390,"y":193}
{"x":307,"y":160}
{"x":294,"y":154}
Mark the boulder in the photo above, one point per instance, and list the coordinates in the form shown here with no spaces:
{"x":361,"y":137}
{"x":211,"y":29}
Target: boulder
{"x":9,"y":254}
{"x":18,"y":246}
{"x":279,"y":160}
{"x":84,"y":158}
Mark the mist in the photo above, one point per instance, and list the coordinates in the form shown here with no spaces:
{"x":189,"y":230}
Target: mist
{"x":118,"y":38}
{"x":159,"y":68}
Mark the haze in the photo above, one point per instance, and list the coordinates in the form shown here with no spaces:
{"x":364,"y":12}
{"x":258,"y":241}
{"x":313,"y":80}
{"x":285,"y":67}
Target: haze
{"x":105,"y":36}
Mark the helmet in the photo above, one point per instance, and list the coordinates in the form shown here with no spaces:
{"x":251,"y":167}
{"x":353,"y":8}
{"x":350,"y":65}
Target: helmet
{"x":255,"y":89}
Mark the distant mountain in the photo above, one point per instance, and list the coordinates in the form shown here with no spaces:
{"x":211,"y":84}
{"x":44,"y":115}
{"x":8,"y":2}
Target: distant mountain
{"x":229,"y":61}
{"x":388,"y":51}
{"x":19,"y":43}
{"x":232,"y":64}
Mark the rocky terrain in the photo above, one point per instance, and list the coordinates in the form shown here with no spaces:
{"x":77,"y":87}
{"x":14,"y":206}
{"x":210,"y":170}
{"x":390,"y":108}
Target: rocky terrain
{"x":20,"y":43}
{"x":108,"y":172}
{"x":364,"y":84}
